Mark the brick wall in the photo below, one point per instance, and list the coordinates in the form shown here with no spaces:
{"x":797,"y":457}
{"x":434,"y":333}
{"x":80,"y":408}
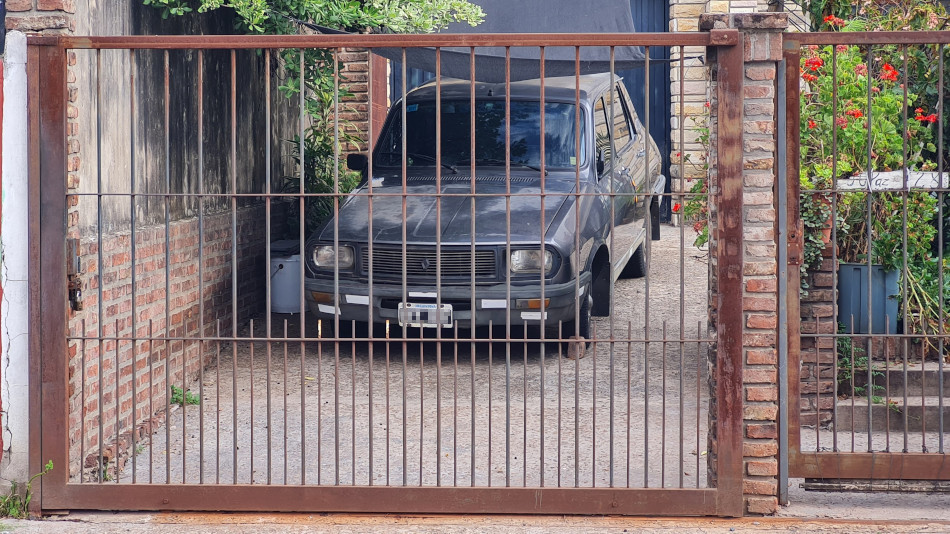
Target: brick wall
{"x":137,"y":365}
{"x":818,"y":353}
{"x":760,"y":37}
{"x":46,"y":16}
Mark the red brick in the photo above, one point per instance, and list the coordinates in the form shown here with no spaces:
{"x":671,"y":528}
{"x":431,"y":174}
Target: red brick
{"x":758,"y":304}
{"x":760,"y":73}
{"x":760,"y":412}
{"x":761,"y":505}
{"x":768,"y":467}
{"x":761,"y":321}
{"x":761,"y":430}
{"x":19,"y":5}
{"x":761,"y":285}
{"x":758,"y":91}
{"x":761,"y":393}
{"x":758,"y":268}
{"x":759,"y":487}
{"x":759,"y":376}
{"x":50,"y":5}
{"x":33,"y":23}
{"x":761,"y":356}
{"x":758,"y":340}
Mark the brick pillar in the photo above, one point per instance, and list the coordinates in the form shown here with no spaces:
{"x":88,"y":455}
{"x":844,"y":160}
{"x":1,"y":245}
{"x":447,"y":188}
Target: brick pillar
{"x":761,"y":39}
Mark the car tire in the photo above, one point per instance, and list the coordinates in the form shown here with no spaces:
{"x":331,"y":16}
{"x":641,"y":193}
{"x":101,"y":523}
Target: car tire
{"x":637,"y":264}
{"x":584,"y":318}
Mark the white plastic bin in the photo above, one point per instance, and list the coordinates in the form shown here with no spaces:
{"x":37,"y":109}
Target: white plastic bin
{"x":285,"y":286}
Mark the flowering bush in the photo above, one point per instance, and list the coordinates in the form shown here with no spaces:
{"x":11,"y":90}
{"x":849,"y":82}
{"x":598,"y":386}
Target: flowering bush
{"x":847,"y":104}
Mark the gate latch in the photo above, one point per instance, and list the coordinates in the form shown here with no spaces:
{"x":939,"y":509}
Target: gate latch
{"x":73,"y":281}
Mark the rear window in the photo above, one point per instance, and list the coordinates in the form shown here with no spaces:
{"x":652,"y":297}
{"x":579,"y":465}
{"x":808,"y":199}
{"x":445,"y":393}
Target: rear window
{"x":490,"y":125}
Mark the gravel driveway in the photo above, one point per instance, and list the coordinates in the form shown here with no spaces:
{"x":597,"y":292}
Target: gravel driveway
{"x":632,"y":413}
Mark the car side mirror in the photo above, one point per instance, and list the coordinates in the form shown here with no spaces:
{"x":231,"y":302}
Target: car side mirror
{"x":357,"y":162}
{"x":600,"y":162}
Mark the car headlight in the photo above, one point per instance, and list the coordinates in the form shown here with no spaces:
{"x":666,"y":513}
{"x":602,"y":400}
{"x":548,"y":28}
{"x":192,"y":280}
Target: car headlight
{"x":531,"y":261}
{"x":327,"y":257}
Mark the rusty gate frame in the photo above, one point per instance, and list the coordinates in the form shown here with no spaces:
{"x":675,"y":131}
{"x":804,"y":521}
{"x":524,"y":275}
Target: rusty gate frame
{"x":830,"y":464}
{"x":48,"y":369}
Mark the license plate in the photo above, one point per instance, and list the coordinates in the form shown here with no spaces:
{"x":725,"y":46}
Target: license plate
{"x":425,"y":315}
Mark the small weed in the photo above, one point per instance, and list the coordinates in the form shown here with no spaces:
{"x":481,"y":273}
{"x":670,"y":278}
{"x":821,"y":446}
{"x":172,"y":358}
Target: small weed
{"x":17,"y":505}
{"x":182,"y":397}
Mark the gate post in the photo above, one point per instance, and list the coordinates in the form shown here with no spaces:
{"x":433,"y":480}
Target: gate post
{"x":743,"y":267}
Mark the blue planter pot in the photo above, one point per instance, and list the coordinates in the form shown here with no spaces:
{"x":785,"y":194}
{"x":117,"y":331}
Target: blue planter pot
{"x":853,"y":280}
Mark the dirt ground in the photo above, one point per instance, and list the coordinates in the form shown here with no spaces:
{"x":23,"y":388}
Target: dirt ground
{"x":492,"y":413}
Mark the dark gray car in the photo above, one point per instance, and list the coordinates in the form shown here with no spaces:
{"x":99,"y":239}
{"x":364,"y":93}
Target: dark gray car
{"x":424,"y":242}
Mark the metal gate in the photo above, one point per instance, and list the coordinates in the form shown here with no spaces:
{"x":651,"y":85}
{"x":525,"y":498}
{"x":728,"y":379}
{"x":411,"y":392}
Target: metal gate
{"x":172,"y":368}
{"x":867,"y":298}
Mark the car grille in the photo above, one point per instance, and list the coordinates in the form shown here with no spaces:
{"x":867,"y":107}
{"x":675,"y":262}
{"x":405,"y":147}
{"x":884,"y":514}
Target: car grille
{"x":421,"y":263}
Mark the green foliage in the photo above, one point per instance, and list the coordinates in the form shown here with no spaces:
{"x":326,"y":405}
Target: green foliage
{"x":182,"y":397}
{"x":696,"y":209}
{"x":17,"y":504}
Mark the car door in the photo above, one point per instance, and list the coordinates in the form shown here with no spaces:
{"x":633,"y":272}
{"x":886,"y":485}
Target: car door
{"x":626,"y":178}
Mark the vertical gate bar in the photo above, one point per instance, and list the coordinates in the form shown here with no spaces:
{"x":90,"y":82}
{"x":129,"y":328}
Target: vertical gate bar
{"x":471,"y":96}
{"x":491,"y":346}
{"x":455,"y":404}
{"x":663,"y":409}
{"x":629,"y":388}
{"x":790,"y":105}
{"x":905,"y":269}
{"x":319,"y":397}
{"x":405,"y":178}
{"x":353,"y":402}
{"x":234,"y":277}
{"x":301,"y":227}
{"x":543,"y":278}
{"x":868,"y":286}
{"x":369,"y":249}
{"x":201,"y":250}
{"x":887,"y":389}
{"x":286,"y":394}
{"x":151,"y":395}
{"x":422,"y":419}
{"x":268,"y":287}
{"x":646,"y":399}
{"x":817,"y":373}
{"x":336,"y":263}
{"x":252,"y":344}
{"x":593,"y":412}
{"x":851,"y":380}
{"x":782,"y":267}
{"x":118,"y":419}
{"x":682,"y":253}
{"x":135,"y":344}
{"x":699,"y":392}
{"x":729,"y":250}
{"x":82,"y":420}
{"x":438,"y":276}
{"x":613,"y":307}
{"x":99,"y":313}
{"x":388,"y":407}
{"x":941,"y":196}
{"x":834,"y":239}
{"x":167,"y":330}
{"x":217,"y":402}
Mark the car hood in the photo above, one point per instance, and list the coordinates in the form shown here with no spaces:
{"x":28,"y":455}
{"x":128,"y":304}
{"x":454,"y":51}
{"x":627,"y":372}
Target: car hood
{"x":424,"y":216}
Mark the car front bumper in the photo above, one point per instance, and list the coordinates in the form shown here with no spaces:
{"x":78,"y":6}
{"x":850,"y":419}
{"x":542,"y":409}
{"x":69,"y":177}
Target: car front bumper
{"x":494,"y":304}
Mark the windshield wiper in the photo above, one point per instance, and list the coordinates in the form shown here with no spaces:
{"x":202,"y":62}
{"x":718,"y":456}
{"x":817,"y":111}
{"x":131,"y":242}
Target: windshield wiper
{"x":501,"y":163}
{"x":420,"y":156}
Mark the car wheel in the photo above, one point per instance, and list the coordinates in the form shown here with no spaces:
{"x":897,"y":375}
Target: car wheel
{"x":582,"y":326}
{"x":637,"y":265}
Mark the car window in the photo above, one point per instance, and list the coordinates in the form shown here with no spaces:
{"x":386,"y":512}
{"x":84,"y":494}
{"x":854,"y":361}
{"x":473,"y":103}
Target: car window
{"x":490,"y":130}
{"x":622,"y":133}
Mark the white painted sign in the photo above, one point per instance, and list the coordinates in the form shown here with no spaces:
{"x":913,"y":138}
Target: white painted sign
{"x":894,"y":181}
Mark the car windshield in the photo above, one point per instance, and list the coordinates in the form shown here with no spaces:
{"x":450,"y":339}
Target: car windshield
{"x":559,"y":138}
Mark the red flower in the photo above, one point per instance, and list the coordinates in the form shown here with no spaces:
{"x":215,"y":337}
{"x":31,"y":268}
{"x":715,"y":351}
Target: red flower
{"x":676,"y":207}
{"x":814,"y":63}
{"x":861,"y":69}
{"x":841,"y":121}
{"x":919,"y":111}
{"x":875,"y":89}
{"x":706,"y":105}
{"x":834,"y":21}
{"x":809,"y":77}
{"x":888,"y":73}
{"x":811,"y":124}
{"x":932,"y":118}
{"x":856,"y":113}
{"x":841,"y":49}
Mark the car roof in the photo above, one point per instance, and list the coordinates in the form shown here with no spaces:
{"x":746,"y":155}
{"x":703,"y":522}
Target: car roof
{"x":562,"y":88}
